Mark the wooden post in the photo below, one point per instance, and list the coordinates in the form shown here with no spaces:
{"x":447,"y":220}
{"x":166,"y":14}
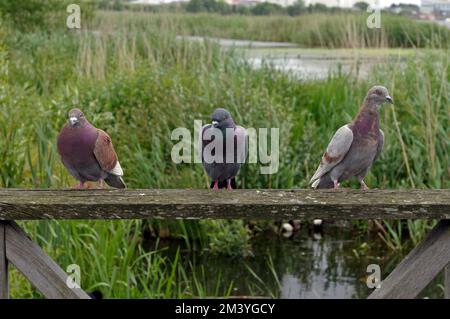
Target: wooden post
{"x":421,"y":265}
{"x":37,"y":266}
{"x":447,"y":282}
{"x":4,"y":285}
{"x":406,"y":281}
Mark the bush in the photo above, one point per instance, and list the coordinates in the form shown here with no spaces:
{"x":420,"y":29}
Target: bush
{"x":42,"y":14}
{"x":266,"y":9}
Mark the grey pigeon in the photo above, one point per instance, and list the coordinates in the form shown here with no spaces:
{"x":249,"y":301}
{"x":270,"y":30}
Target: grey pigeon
{"x":355,"y":146}
{"x":88,"y":153}
{"x":232,"y":145}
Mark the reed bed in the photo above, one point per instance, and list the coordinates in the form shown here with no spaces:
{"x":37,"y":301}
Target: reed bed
{"x":138,"y":81}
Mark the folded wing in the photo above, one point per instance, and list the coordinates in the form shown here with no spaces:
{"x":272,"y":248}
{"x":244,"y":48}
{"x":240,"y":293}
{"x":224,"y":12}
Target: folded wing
{"x":336,"y":151}
{"x":106,"y":155}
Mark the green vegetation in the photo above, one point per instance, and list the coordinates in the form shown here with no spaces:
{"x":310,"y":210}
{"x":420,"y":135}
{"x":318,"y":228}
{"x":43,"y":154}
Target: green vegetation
{"x":340,"y":30}
{"x":42,"y":14}
{"x":134,"y":79}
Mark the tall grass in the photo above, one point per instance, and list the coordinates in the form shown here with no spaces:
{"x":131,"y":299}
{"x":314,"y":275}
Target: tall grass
{"x":138,"y":82}
{"x":339,"y":30}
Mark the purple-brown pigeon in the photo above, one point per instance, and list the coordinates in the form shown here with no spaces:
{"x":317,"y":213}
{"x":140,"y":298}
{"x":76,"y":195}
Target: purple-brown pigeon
{"x":355,"y":146}
{"x":223,"y":147}
{"x":88,"y":152}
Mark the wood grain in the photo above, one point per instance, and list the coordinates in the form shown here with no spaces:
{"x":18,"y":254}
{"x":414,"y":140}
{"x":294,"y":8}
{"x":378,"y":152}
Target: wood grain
{"x":421,"y":265}
{"x":4,"y":284}
{"x":16,"y":204}
{"x":37,"y":266}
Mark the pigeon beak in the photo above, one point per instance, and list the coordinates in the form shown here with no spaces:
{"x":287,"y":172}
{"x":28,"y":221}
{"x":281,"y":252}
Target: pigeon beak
{"x":214,"y":123}
{"x":389,"y":99}
{"x":73,"y":121}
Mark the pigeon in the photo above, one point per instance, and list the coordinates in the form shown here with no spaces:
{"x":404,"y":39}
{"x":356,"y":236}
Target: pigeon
{"x":214,"y":159}
{"x":87,"y":152}
{"x":355,"y":146}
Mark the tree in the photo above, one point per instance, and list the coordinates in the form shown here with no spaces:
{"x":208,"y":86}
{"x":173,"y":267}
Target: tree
{"x":208,"y":6}
{"x":318,"y":7}
{"x":195,"y":6}
{"x":361,"y":6}
{"x":297,"y":8}
{"x":267,"y":8}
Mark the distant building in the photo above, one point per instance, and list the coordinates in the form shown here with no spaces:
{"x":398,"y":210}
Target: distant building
{"x":156,"y":2}
{"x":351,"y":3}
{"x":283,"y":3}
{"x":435,"y":9}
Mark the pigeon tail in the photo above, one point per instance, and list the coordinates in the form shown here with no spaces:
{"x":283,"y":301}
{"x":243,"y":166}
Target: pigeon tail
{"x":115,"y":181}
{"x":323,"y":182}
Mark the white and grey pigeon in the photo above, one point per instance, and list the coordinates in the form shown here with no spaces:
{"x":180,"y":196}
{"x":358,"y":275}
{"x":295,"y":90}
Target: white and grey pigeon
{"x":355,"y":146}
{"x":213,"y":142}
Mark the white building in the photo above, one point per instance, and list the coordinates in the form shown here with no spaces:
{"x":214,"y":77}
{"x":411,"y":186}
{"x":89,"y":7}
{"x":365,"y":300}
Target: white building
{"x":350,"y":3}
{"x":283,"y":3}
{"x":436,"y":6}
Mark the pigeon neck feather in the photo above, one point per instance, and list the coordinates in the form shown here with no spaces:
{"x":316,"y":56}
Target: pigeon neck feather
{"x":368,"y":119}
{"x":229,"y":123}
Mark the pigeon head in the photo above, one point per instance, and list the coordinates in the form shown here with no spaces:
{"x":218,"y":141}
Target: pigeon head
{"x":76,"y":118}
{"x":378,"y":95}
{"x":221,"y":118}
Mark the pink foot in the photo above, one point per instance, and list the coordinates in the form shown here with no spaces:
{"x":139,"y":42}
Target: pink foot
{"x":79,"y":186}
{"x":216,"y":185}
{"x":336,"y":184}
{"x":229,"y":185}
{"x":101,"y":184}
{"x":364,"y":186}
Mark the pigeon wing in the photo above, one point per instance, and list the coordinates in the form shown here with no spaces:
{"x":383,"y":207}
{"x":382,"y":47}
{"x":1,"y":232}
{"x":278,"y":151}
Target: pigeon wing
{"x":105,"y":154}
{"x":336,"y":150}
{"x":241,"y":143}
{"x":380,"y":146}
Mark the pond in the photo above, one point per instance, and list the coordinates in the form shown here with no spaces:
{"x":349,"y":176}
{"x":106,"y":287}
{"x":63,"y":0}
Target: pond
{"x":330,"y":262}
{"x":307,"y":63}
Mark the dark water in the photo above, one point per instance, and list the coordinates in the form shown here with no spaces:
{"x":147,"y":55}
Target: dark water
{"x":331,"y":263}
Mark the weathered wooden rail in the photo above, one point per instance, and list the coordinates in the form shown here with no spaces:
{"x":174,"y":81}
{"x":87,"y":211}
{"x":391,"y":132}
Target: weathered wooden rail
{"x":410,"y":277}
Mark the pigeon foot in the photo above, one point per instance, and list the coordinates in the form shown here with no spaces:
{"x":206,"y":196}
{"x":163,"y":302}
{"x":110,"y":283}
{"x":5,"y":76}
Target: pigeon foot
{"x":101,"y":184}
{"x":216,"y":185}
{"x":229,"y":187}
{"x":364,"y":186}
{"x":79,"y":186}
{"x":336,"y":184}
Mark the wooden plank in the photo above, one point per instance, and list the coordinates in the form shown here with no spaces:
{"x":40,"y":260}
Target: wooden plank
{"x":421,"y":265}
{"x":447,"y":282}
{"x":258,"y":204}
{"x":37,"y":266}
{"x":4,"y":284}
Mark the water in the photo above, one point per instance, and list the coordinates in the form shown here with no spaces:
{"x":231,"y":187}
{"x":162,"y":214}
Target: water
{"x":306,"y":63}
{"x":331,"y":263}
{"x":239,"y":43}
